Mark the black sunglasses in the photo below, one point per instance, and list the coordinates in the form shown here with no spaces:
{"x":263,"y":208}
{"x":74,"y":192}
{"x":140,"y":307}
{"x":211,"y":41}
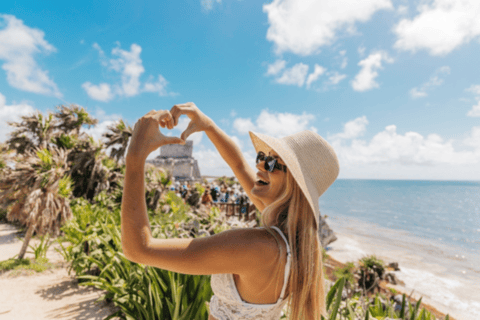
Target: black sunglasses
{"x":270,"y":162}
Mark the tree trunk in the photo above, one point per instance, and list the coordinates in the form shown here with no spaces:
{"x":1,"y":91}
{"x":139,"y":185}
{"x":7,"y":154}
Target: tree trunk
{"x":28,"y":236}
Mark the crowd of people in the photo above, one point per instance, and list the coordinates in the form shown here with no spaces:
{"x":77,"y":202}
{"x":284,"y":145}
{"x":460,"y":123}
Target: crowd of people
{"x":230,"y":198}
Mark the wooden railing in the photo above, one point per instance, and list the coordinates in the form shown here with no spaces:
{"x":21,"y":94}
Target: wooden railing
{"x":236,"y":209}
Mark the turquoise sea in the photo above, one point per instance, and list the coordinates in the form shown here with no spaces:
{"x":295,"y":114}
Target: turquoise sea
{"x":431,"y":227}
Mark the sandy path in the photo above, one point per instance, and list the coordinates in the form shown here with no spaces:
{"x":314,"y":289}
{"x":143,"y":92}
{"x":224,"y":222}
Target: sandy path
{"x":52,"y":294}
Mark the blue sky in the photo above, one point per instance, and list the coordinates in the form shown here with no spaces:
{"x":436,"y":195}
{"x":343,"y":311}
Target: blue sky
{"x":392,"y":85}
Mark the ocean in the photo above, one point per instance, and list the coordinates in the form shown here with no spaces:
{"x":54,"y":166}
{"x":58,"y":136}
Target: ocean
{"x":432,"y":228}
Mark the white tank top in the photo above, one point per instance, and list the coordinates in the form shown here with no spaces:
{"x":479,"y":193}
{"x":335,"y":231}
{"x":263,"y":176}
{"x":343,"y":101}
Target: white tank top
{"x":226,"y":303}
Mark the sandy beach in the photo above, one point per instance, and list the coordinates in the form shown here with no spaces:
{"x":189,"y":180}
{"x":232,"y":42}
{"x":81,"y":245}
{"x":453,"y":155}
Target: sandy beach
{"x":52,"y":294}
{"x":455,"y":293}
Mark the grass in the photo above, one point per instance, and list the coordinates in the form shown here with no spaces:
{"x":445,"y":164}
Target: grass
{"x":19,"y":265}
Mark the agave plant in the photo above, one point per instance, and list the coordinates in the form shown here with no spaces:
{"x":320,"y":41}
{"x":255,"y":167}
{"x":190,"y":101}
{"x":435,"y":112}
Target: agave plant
{"x":119,"y":134}
{"x":37,"y":192}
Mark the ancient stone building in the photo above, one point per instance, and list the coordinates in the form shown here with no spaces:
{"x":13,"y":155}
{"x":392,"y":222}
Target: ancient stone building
{"x":178,"y":159}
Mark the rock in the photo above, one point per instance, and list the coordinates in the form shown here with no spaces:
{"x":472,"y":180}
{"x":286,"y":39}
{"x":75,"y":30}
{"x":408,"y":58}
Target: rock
{"x":326,"y":234}
{"x":394,"y":266}
{"x":392,"y":278}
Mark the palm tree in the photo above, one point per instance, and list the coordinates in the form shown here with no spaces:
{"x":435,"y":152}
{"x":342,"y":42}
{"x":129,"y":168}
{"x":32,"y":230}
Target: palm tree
{"x":37,"y":192}
{"x":119,"y":134}
{"x":35,"y":130}
{"x":91,"y":170}
{"x":71,"y":119}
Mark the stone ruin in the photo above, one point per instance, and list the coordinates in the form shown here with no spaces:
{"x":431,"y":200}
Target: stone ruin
{"x":178,"y":159}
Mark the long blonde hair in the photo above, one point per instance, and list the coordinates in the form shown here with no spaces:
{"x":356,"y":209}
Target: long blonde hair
{"x":305,"y":286}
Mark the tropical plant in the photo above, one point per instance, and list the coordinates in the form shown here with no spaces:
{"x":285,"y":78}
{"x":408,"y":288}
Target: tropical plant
{"x":35,"y":130}
{"x":156,"y":182}
{"x":91,"y":169}
{"x":348,"y":273}
{"x":36,"y":192}
{"x":70,"y":119}
{"x":40,"y":250}
{"x":371,"y":270}
{"x":119,"y":135}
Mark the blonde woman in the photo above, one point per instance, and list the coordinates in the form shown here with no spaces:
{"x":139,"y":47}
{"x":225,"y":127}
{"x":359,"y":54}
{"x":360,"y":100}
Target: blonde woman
{"x":255,"y":271}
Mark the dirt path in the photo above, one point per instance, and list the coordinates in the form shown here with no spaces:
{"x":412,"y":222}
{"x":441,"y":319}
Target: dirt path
{"x":52,"y":294}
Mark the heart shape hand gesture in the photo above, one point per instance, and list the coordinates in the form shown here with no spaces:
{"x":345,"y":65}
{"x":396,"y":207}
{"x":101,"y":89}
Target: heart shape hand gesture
{"x":146,"y":136}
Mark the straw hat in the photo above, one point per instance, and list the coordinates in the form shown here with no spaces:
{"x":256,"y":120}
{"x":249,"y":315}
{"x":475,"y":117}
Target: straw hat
{"x":311,"y":160}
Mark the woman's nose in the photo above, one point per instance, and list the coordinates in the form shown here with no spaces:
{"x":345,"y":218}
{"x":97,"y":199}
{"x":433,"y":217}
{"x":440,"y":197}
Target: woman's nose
{"x":261,"y":165}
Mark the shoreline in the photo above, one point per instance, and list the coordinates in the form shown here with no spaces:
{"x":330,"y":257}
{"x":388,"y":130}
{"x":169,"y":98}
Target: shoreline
{"x":426,"y":275}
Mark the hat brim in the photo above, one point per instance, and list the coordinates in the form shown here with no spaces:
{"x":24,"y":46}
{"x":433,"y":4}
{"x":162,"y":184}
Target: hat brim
{"x":265,"y":143}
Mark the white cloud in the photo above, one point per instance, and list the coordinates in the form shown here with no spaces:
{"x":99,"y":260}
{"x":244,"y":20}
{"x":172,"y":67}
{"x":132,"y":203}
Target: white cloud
{"x":159,"y":86}
{"x":335,"y":78}
{"x":416,"y":93}
{"x":294,"y":76}
{"x":102,"y":92}
{"x":474,"y":88}
{"x":365,"y":79}
{"x":275,"y":124}
{"x":435,"y":80}
{"x":207,"y":5}
{"x":475,"y":112}
{"x":11,"y":113}
{"x":473,"y":140}
{"x":129,"y":66}
{"x":18,"y":46}
{"x":317,"y":72}
{"x":211,"y":162}
{"x":402,"y":10}
{"x":440,"y":27}
{"x":276,"y":67}
{"x":243,"y":125}
{"x":353,"y":129}
{"x":410,"y":149}
{"x":303,"y":26}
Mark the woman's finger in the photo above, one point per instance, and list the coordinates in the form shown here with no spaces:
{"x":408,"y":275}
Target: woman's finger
{"x":176,"y":113}
{"x":179,"y":109}
{"x":169,"y":123}
{"x":173,"y":140}
{"x":190,"y":129}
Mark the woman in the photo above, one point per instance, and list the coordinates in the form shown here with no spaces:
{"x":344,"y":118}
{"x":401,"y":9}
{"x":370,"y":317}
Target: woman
{"x":254,"y":272}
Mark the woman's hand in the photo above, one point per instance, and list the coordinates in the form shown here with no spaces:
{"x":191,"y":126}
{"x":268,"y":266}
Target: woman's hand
{"x":198,"y":120}
{"x":146,"y":136}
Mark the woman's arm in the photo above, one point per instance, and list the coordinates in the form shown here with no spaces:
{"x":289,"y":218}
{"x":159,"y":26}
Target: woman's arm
{"x":235,"y":251}
{"x":227,"y":148}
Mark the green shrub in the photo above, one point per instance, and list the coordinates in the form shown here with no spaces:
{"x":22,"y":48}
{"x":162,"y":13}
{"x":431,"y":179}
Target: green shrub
{"x":38,"y":265}
{"x":40,"y":250}
{"x":346,"y":272}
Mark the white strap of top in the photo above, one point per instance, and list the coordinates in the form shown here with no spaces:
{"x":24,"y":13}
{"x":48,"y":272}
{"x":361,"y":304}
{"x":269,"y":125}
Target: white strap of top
{"x":287,"y":266}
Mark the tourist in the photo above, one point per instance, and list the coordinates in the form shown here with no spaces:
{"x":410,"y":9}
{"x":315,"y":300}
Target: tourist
{"x":248,"y":265}
{"x":214,"y":193}
{"x":207,"y":198}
